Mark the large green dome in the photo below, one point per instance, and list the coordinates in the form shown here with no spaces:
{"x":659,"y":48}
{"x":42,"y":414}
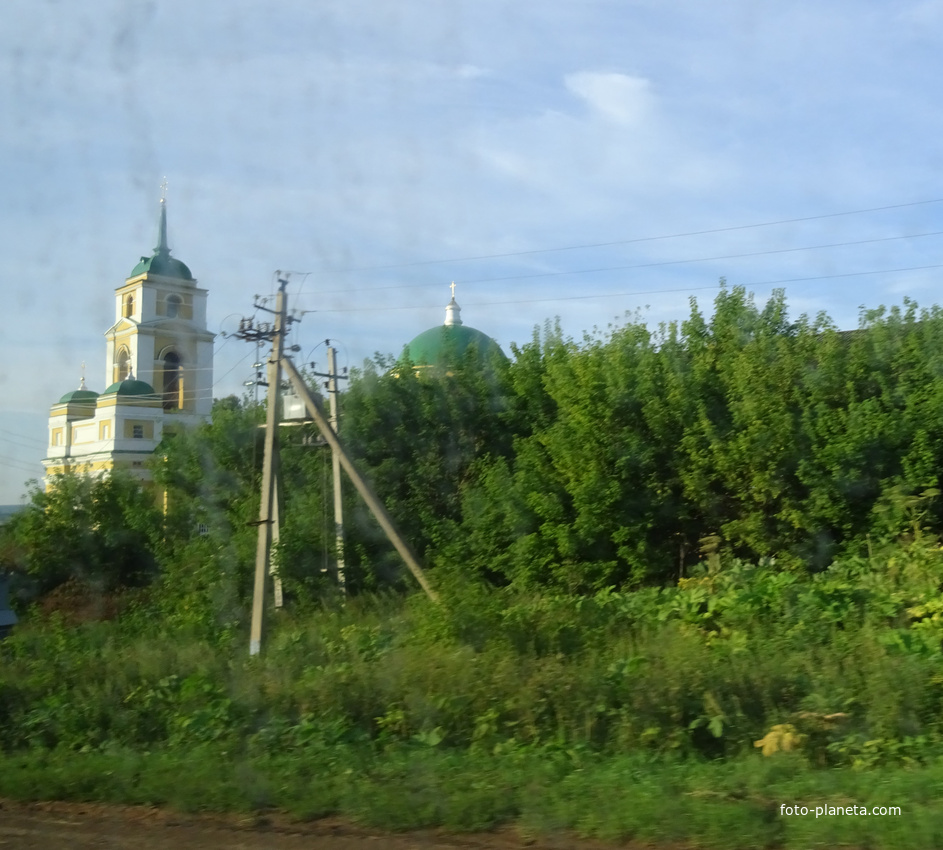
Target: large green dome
{"x":450,"y":342}
{"x":446,"y":342}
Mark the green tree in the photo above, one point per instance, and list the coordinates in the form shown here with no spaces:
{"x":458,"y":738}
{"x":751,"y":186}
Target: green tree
{"x":103,"y":532}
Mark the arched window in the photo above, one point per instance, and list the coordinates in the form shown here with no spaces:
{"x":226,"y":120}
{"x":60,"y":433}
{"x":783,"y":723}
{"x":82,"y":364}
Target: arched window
{"x":172,"y":381}
{"x":129,"y":305}
{"x":173,"y":306}
{"x":122,"y":363}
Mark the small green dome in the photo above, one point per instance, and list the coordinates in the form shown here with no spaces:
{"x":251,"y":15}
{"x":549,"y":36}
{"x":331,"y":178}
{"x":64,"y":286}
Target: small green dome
{"x":444,"y":342}
{"x":79,"y":397}
{"x":130,"y":387}
{"x":163,"y":264}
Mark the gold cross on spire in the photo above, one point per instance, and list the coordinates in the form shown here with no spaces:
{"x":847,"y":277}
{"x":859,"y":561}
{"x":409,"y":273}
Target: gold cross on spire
{"x":452,"y":284}
{"x":163,"y":191}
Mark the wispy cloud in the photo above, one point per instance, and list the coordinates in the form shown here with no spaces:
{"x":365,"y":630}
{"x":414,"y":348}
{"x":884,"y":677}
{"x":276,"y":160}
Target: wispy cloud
{"x":618,"y":97}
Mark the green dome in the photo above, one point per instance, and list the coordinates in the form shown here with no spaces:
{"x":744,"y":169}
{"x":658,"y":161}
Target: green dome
{"x":130,"y":387}
{"x":163,"y":264}
{"x":79,"y":397}
{"x":447,"y":342}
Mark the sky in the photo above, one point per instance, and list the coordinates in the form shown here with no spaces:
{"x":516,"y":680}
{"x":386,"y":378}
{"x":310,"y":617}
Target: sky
{"x":579,"y":159}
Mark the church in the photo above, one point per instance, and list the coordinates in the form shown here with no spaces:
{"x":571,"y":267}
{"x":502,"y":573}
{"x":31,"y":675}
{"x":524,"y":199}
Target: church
{"x":158,"y":373}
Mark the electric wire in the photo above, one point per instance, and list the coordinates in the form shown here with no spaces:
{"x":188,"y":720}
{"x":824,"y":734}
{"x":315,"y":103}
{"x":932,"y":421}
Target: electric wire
{"x":714,"y":287}
{"x":17,"y":463}
{"x":634,"y":240}
{"x":22,"y":437}
{"x":656,"y":264}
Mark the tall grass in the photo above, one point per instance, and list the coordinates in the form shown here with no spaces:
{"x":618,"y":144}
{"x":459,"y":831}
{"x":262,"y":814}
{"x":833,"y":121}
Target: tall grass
{"x":619,"y":715}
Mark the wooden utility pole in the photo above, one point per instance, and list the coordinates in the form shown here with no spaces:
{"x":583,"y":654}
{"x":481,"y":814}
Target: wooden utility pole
{"x":336,"y":469}
{"x":263,"y":550}
{"x":316,"y":410}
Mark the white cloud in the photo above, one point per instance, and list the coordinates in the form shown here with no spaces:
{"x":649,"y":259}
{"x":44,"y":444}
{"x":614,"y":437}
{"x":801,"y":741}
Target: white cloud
{"x":618,"y":97}
{"x":471,"y":72}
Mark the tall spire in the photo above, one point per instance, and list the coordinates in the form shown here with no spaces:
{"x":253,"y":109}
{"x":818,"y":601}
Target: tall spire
{"x":452,"y":310}
{"x":162,"y":247}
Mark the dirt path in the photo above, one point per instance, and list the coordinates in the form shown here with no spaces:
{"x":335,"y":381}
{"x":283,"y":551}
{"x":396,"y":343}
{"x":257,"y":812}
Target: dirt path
{"x":84,"y":826}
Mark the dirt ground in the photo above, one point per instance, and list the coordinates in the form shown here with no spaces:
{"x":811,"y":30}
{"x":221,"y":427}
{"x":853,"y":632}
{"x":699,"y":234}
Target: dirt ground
{"x":83,"y":826}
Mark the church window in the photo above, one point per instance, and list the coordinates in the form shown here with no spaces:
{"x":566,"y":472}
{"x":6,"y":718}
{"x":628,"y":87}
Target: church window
{"x":122,"y":364}
{"x":173,"y":306}
{"x":137,"y":432}
{"x":173,"y":383}
{"x":129,"y":306}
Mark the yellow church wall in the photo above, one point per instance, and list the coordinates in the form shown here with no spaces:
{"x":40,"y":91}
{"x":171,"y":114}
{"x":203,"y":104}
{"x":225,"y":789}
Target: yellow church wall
{"x":185,"y":308}
{"x":74,"y":411}
{"x":134,"y":401}
{"x":147,"y":429}
{"x":181,"y":344}
{"x":78,"y":466}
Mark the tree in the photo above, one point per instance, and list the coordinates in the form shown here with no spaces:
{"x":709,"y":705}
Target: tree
{"x":102,"y":532}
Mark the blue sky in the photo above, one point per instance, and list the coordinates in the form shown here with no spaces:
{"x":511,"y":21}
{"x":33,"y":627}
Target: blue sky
{"x":364,"y":141}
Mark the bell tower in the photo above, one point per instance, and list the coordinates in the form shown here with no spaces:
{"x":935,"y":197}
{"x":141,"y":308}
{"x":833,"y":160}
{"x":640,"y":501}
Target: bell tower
{"x":160,"y":333}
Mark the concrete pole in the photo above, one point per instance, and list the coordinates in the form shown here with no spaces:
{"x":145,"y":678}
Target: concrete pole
{"x":316,"y":409}
{"x":264,"y":547}
{"x":336,"y":469}
{"x":276,"y":522}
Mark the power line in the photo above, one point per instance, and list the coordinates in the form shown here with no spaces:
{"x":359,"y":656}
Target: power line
{"x":845,"y":274}
{"x":22,"y":437}
{"x":26,"y":447}
{"x":641,"y":292}
{"x":657,"y":264}
{"x":18,"y":463}
{"x":633,"y":240}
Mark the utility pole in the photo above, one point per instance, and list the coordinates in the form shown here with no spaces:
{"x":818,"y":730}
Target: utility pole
{"x":331,"y":385}
{"x":267,"y":509}
{"x":316,"y":410}
{"x":336,"y":469}
{"x":276,"y":524}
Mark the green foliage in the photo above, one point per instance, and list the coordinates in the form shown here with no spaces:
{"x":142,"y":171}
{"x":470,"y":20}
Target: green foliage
{"x":621,"y":715}
{"x":103,"y":533}
{"x":778,"y":438}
